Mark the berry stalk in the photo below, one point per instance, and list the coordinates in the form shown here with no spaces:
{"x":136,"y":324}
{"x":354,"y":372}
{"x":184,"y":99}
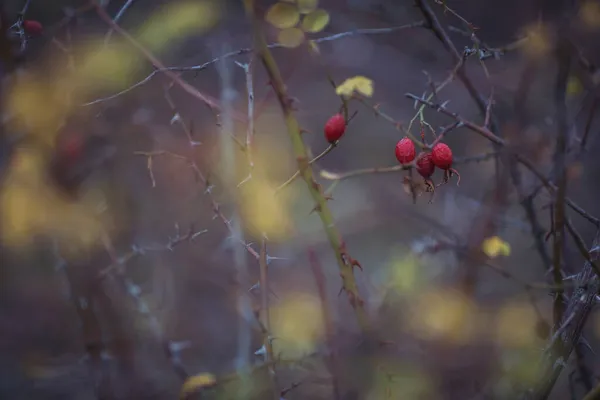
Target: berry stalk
{"x":322,"y":208}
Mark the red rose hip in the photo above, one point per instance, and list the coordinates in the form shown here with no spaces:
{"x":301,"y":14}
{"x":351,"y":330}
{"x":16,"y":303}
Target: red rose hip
{"x":335,"y":128}
{"x":405,"y":151}
{"x":441,"y":155}
{"x":425,"y":166}
{"x":32,"y":27}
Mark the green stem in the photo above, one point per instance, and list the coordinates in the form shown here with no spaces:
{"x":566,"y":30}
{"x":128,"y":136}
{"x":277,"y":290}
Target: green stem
{"x":301,"y":154}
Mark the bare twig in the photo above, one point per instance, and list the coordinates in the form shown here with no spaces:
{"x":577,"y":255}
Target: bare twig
{"x":117,"y":18}
{"x":239,"y":52}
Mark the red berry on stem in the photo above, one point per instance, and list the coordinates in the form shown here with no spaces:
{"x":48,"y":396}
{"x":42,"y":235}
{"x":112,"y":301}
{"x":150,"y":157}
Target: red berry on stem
{"x":32,"y":27}
{"x":425,"y":166}
{"x":442,"y":156}
{"x":335,"y":128}
{"x":405,"y":151}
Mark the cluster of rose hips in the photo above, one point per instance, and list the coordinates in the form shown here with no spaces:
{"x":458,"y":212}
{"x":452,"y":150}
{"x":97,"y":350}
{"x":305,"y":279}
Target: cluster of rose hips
{"x":440,"y":155}
{"x":426,"y":162}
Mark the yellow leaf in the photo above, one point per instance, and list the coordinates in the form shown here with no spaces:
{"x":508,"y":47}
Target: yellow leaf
{"x":574,"y":86}
{"x":494,"y":246}
{"x":315,"y":21}
{"x":282,"y":15}
{"x":358,"y":84}
{"x":306,"y":6}
{"x":197,"y":382}
{"x":291,"y":37}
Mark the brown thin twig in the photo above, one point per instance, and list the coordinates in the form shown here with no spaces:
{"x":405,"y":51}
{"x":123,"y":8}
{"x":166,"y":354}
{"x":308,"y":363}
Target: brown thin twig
{"x":208,"y":100}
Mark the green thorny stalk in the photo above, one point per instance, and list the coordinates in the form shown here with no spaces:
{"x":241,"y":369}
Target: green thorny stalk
{"x":345,"y":263}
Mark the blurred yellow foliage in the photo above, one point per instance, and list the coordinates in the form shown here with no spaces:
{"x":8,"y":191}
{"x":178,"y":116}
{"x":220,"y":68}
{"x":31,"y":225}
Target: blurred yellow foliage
{"x":359,"y":84}
{"x":444,"y":314}
{"x":297,"y":324}
{"x":589,"y":13}
{"x":539,"y":41}
{"x":196,"y":382}
{"x":283,"y":15}
{"x":405,"y":274}
{"x":262,"y":211}
{"x":107,"y":67}
{"x":36,"y":107}
{"x":31,"y":207}
{"x":515,"y":325}
{"x":574,"y":86}
{"x":315,"y":21}
{"x":175,"y":21}
{"x":495,"y":246}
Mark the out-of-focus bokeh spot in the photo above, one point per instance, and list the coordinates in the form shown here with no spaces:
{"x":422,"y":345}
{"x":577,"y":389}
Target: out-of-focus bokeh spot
{"x":405,"y":273}
{"x":521,"y":365}
{"x":197,"y":382}
{"x":589,"y":13}
{"x":297,"y":324}
{"x":31,"y":207}
{"x":495,"y":246}
{"x":36,"y":107}
{"x":443,"y":314}
{"x":107,"y":67}
{"x":262,"y":211}
{"x":515,"y":325}
{"x":283,"y":15}
{"x":175,"y":21}
{"x":539,"y":41}
{"x":574,"y":86}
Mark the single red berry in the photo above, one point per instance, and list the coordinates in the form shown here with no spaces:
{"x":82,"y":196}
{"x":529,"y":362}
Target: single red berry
{"x":405,"y":151}
{"x":442,"y":156}
{"x":32,"y":27}
{"x":335,"y":128}
{"x":425,"y":166}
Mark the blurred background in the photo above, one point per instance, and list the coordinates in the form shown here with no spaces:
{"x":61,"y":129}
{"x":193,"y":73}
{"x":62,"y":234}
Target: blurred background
{"x":132,"y":224}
